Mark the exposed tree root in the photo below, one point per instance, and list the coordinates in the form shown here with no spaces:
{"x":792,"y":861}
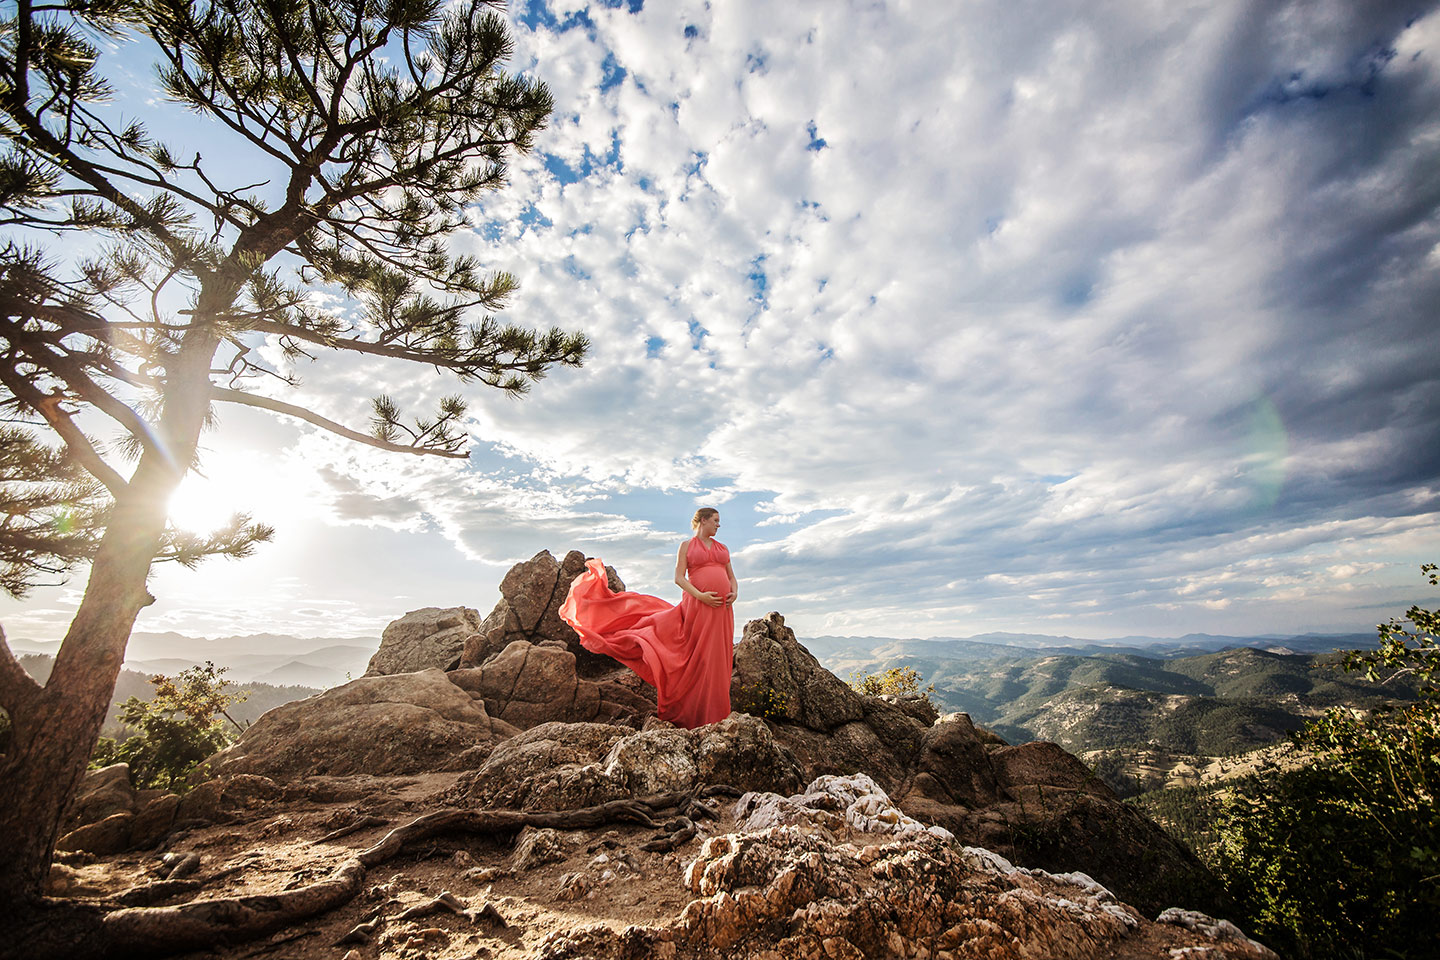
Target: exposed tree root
{"x":75,"y":931}
{"x":350,"y":828}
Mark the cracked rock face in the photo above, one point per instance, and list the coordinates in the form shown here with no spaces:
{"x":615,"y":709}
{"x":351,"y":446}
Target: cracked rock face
{"x":829,"y":726}
{"x":405,"y":723}
{"x":526,"y":685}
{"x":529,"y":609}
{"x":785,"y":892}
{"x":562,"y":766}
{"x":429,"y":637}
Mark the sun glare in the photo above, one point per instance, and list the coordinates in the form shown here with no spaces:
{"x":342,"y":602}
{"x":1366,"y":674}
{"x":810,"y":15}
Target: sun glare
{"x":203,"y":504}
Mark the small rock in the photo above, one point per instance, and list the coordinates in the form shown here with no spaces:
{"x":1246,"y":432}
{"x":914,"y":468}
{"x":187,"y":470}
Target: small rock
{"x":536,"y":847}
{"x":184,"y":866}
{"x":573,"y":886}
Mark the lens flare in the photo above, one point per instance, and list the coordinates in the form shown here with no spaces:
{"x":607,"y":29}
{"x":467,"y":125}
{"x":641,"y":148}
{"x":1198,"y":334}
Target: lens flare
{"x":1267,"y":454}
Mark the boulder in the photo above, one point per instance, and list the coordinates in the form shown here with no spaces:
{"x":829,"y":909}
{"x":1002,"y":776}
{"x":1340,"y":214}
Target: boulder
{"x":916,"y":705}
{"x":429,"y":637}
{"x":154,"y":820}
{"x":888,"y":891}
{"x":525,"y":685}
{"x":233,"y":797}
{"x":1033,"y":802}
{"x":828,"y":725}
{"x":833,"y":806}
{"x":1026,"y":771}
{"x":102,"y":793}
{"x":562,"y":766}
{"x":772,"y":665}
{"x":954,"y":766}
{"x":531,"y":594}
{"x":381,"y":725}
{"x":536,"y":847}
{"x":102,"y":838}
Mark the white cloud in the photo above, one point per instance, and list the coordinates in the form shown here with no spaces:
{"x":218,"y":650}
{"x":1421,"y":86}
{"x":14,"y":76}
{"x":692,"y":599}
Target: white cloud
{"x":1108,"y":315}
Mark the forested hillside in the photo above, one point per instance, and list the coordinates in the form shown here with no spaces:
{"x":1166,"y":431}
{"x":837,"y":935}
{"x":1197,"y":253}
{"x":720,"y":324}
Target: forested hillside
{"x":1214,"y":704}
{"x":259,"y":697}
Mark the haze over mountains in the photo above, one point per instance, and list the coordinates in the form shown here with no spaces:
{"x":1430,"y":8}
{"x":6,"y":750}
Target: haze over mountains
{"x":988,"y":646}
{"x":1198,"y":695}
{"x":277,"y":659}
{"x":323,"y":662}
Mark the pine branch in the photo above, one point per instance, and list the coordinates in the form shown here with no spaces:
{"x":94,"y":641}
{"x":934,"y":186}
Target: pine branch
{"x":237,"y":540}
{"x":309,"y":416}
{"x":61,"y":422}
{"x":73,"y":373}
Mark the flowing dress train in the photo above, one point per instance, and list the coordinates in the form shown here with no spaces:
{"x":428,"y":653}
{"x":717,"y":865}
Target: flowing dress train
{"x":685,"y":652}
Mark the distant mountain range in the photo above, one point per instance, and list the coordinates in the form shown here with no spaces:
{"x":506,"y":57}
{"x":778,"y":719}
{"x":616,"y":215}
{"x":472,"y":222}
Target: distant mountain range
{"x":258,"y":697}
{"x":322,"y":662}
{"x":990,"y":646}
{"x":275,"y":659}
{"x":1094,"y":695}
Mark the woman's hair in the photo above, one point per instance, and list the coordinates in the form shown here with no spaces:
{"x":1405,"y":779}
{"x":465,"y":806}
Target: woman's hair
{"x":704,"y":513}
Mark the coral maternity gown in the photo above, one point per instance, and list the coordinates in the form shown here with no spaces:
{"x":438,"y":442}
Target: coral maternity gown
{"x":685,"y":652}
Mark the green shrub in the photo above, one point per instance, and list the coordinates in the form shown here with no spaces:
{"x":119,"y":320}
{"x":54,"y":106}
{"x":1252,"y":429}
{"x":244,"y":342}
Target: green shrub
{"x":760,"y":700}
{"x":896,"y":680}
{"x":1342,"y":858}
{"x":181,"y":725}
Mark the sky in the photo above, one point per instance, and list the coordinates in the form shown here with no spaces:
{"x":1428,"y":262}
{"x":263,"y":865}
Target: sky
{"x":1087,"y":319}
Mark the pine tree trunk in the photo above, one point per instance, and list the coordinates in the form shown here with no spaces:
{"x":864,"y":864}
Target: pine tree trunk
{"x":53,"y":731}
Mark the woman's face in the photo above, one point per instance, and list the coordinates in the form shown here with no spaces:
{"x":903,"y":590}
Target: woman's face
{"x":710,"y":525}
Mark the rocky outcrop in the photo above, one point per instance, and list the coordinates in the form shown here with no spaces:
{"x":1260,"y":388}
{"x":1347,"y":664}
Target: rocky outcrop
{"x":102,"y":793}
{"x":525,"y":685}
{"x":405,"y":723}
{"x":522,"y":669}
{"x":830,"y":727}
{"x":429,"y":637}
{"x":796,"y":889}
{"x":529,"y":609}
{"x":563,"y":766}
{"x":108,"y":815}
{"x":1033,"y":802}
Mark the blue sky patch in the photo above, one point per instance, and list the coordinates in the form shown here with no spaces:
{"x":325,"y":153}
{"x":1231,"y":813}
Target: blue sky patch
{"x":758,"y":280}
{"x":817,"y":142}
{"x":612,"y":74}
{"x":1077,"y":290}
{"x":532,"y":217}
{"x":561,"y":170}
{"x":537,"y":13}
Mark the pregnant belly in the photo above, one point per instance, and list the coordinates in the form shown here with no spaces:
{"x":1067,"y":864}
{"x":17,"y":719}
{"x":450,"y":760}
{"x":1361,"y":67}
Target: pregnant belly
{"x":711,"y":578}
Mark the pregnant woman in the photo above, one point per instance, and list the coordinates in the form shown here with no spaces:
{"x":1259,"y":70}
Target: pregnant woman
{"x":685,"y":652}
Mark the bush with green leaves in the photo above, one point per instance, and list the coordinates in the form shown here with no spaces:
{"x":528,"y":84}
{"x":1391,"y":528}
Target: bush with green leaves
{"x":890,"y":682}
{"x":1342,"y":857}
{"x":175,"y":730}
{"x":763,"y":701}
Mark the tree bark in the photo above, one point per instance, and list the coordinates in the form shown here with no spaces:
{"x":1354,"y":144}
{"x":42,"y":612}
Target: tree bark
{"x":53,"y":730}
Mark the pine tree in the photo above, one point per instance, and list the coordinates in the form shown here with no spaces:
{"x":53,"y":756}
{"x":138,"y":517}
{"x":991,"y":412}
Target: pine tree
{"x":373,"y":125}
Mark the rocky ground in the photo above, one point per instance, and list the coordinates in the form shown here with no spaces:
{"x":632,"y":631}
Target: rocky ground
{"x":1159,"y":769}
{"x":491,"y":789}
{"x":834,"y":871}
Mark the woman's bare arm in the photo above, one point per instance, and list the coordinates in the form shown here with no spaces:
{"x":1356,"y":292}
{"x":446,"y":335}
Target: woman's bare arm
{"x":734,"y":586}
